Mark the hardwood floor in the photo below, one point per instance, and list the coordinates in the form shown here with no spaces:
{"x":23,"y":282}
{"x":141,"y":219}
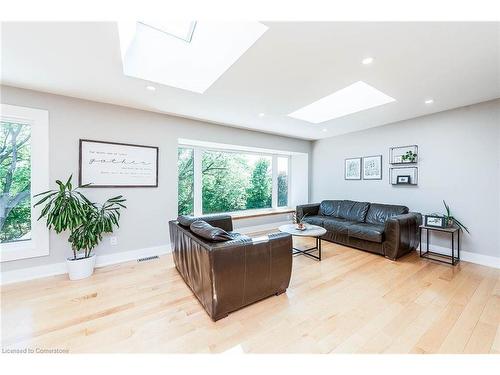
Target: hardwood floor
{"x":351,"y":302}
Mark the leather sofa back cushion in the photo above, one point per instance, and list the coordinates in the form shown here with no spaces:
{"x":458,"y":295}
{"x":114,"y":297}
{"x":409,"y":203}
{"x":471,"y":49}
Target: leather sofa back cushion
{"x":349,"y":210}
{"x":379,"y":213}
{"x":330,"y":208}
{"x":356,"y":211}
{"x":208,"y":232}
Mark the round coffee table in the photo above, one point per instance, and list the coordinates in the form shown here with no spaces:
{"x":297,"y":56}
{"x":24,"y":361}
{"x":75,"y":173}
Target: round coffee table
{"x":310,"y":231}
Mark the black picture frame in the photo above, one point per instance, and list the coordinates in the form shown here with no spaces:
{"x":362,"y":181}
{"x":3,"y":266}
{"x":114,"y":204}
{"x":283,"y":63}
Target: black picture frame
{"x":80,"y":169}
{"x":400,"y":181}
{"x":433,"y":223}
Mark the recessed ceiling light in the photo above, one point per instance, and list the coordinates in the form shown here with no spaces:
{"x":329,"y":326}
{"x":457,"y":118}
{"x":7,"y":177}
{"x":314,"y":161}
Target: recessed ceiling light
{"x":162,"y":54}
{"x":367,"y":60}
{"x":262,"y":114}
{"x":150,"y":88}
{"x":429,"y":101}
{"x":351,"y":99}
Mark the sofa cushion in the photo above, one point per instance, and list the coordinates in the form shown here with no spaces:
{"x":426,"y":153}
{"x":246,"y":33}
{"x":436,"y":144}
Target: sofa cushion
{"x":379,"y":213}
{"x":367,"y":232}
{"x":337,"y":225}
{"x":345,"y":207}
{"x":208,"y":232}
{"x":357,"y":212}
{"x":186,"y":220}
{"x":330,"y":208}
{"x":316,"y":219}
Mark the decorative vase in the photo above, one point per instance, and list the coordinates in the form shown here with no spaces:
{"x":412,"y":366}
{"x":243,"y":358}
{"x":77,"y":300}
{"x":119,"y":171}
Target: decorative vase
{"x":80,"y":268}
{"x":300,"y":226}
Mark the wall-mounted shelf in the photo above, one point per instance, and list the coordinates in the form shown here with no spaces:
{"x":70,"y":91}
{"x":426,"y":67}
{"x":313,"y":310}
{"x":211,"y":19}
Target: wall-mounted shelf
{"x":410,"y":172}
{"x":396,"y":155}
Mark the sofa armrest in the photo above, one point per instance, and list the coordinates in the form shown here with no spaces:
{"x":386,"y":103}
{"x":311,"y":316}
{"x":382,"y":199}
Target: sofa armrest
{"x":307,"y":209}
{"x":401,"y":234}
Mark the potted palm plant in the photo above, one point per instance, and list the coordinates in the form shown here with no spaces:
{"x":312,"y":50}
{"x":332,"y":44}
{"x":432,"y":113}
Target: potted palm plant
{"x":67,"y":209}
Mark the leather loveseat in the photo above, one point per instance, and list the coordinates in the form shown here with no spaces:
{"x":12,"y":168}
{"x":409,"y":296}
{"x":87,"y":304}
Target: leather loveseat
{"x":384,"y":229}
{"x":226,"y":276}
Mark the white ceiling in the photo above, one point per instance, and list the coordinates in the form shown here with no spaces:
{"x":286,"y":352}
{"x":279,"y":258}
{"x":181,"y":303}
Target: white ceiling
{"x":292,"y":65}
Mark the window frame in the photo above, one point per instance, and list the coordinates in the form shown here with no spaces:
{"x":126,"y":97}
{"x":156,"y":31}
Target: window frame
{"x":198,"y":182}
{"x":38,"y":119}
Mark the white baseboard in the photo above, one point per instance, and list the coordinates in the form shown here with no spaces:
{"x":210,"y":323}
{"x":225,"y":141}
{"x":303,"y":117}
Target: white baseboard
{"x":54,"y":269}
{"x":126,"y":256}
{"x":467,"y":256}
{"x":25,"y":274}
{"x":260,"y":228}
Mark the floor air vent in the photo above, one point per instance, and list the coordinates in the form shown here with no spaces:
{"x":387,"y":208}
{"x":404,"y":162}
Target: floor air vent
{"x":148,"y":258}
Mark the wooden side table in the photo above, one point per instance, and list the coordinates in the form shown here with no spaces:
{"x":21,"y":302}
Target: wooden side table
{"x":448,"y":259}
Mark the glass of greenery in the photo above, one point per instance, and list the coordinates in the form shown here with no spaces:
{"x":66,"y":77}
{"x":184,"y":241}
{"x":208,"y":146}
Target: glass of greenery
{"x":450,"y":219}
{"x":67,"y":209}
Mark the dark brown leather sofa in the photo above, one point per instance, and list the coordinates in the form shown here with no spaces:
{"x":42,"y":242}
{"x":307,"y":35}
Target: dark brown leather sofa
{"x":226,"y":276}
{"x":383,"y":229}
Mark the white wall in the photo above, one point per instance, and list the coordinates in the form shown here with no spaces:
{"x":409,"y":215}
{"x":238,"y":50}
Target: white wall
{"x":459,"y":161}
{"x":144,"y":223}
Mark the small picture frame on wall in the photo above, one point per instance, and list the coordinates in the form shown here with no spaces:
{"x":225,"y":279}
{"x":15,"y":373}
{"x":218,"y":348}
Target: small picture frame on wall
{"x":352,"y":169}
{"x":403,"y":180}
{"x":434,"y":221}
{"x":372,"y":167}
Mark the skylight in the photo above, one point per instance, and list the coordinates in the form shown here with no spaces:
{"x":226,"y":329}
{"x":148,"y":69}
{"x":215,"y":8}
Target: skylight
{"x":179,"y":28}
{"x":354,"y":98}
{"x":186,"y":55}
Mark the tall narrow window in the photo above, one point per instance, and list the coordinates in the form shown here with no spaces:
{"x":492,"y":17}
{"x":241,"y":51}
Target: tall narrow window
{"x":24,"y":172}
{"x":283,"y":181}
{"x":15,"y":181}
{"x":185,"y":167}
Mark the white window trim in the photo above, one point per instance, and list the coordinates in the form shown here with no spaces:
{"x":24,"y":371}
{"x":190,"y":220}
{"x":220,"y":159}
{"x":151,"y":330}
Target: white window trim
{"x":38,"y":245}
{"x":197,"y":174}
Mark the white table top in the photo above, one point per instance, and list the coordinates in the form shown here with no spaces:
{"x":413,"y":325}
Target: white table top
{"x":311,"y":231}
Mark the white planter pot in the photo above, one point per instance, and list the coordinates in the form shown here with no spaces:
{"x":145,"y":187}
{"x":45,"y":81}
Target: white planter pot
{"x":81,"y":267}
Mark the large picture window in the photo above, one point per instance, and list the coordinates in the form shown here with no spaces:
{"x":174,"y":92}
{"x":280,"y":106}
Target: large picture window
{"x":23,"y":173}
{"x":230,"y":181}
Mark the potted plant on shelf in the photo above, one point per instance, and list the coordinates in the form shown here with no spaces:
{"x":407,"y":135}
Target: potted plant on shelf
{"x":409,"y":157}
{"x":67,"y":209}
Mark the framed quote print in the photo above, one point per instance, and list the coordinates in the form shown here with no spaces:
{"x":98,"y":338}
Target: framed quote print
{"x":110,"y":164}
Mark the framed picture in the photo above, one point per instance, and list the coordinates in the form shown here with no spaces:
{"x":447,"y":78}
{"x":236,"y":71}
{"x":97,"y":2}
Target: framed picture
{"x":372,"y":167}
{"x":110,"y":164}
{"x":402,"y":180}
{"x":352,"y":169}
{"x":434,"y":221}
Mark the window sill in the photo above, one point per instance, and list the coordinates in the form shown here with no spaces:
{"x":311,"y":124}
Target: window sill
{"x":21,"y":250}
{"x":258,"y":213}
